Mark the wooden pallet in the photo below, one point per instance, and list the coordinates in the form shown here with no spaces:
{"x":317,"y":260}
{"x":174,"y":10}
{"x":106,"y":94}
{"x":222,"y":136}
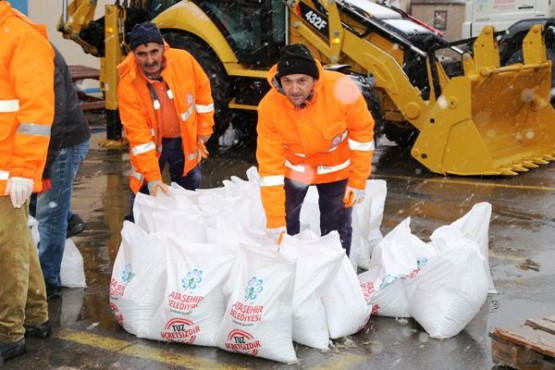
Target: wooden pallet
{"x":527,"y":347}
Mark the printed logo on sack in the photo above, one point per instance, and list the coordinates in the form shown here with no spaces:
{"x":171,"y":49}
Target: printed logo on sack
{"x":367,"y":290}
{"x":249,"y":313}
{"x":180,"y":330}
{"x":254,"y":287}
{"x":182,"y":302}
{"x":127,"y":274}
{"x":387,"y":280}
{"x":116,"y":288}
{"x":117,"y":314}
{"x":245,"y":313}
{"x":192,"y":279}
{"x":419,"y":264}
{"x":241,"y":341}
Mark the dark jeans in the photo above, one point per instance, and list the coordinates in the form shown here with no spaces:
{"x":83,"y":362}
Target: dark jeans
{"x":172,"y":154}
{"x":333,"y":213}
{"x":52,"y":212}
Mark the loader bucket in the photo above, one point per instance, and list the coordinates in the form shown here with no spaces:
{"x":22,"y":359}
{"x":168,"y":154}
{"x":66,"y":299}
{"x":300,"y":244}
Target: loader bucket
{"x":493,"y":120}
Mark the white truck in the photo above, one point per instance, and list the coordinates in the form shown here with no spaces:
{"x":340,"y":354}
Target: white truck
{"x":504,"y":13}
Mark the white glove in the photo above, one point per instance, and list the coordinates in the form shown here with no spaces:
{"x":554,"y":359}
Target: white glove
{"x":353,"y":196}
{"x":156,"y":187}
{"x":276,"y":233}
{"x":20,"y":189}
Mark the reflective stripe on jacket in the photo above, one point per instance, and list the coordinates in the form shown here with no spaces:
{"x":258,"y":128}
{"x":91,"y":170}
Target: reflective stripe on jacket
{"x":26,"y":97}
{"x":327,"y":140}
{"x":188,"y":88}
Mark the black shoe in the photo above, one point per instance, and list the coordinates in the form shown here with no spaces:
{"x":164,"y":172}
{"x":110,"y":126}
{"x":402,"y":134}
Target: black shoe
{"x":75,"y":225}
{"x":11,"y":350}
{"x":38,"y":331}
{"x":53,"y":292}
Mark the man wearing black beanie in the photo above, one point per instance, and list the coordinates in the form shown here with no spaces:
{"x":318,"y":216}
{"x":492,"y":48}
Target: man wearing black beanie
{"x":314,"y":128}
{"x":167,"y":111}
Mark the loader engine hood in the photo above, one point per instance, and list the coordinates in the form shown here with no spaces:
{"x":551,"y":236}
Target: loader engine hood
{"x":390,"y":18}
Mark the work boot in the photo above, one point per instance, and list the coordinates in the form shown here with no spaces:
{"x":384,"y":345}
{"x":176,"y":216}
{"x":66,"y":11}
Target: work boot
{"x":38,"y":331}
{"x":75,"y":225}
{"x":11,"y":350}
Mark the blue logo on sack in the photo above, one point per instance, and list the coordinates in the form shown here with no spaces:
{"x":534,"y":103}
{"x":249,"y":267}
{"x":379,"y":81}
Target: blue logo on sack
{"x":127,"y":274}
{"x":192,"y":279}
{"x":254,"y":287}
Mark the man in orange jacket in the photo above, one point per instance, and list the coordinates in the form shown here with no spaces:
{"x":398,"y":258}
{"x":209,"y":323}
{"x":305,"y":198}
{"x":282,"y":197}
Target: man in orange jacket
{"x":26,"y":114}
{"x":314,"y":128}
{"x":166,"y":109}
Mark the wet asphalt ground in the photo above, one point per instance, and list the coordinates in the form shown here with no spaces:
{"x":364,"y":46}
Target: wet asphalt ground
{"x":522,"y":260}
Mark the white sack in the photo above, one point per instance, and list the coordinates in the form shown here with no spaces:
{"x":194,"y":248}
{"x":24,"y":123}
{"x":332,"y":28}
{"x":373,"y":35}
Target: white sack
{"x":367,"y":219}
{"x":193,"y":304}
{"x":72,"y":271}
{"x":174,"y":200}
{"x":310,"y":212}
{"x":474,"y":225}
{"x":447,"y":293}
{"x":400,"y":255}
{"x":34,"y":225}
{"x":346,"y":308}
{"x":258,"y":317}
{"x":317,"y":265}
{"x":138,"y":277}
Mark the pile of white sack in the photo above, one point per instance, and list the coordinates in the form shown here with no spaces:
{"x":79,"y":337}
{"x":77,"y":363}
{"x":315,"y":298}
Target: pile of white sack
{"x":198,"y":268}
{"x":442,"y":283}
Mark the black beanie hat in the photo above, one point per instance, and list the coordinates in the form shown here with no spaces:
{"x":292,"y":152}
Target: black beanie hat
{"x":296,"y":59}
{"x":143,"y":33}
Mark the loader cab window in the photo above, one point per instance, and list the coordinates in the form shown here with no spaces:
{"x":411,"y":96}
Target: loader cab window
{"x":158,"y":6}
{"x":255,"y":29}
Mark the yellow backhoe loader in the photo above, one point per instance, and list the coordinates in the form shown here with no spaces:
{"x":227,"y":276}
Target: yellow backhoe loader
{"x":470,"y":115}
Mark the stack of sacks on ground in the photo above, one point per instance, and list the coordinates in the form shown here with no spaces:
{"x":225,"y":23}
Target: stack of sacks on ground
{"x":198,"y":268}
{"x":442,"y":284}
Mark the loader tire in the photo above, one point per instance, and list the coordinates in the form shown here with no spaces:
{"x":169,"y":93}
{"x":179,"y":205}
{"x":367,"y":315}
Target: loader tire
{"x":222,"y":89}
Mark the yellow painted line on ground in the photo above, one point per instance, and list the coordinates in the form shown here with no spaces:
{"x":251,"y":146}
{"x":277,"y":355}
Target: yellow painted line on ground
{"x":140,"y":350}
{"x":506,"y":257}
{"x":341,"y":361}
{"x":471,"y":183}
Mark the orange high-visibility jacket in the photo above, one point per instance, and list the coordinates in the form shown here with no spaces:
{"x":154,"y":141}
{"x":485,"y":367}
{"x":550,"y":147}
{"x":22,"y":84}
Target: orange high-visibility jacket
{"x":188,"y":88}
{"x":26,"y":97}
{"x":330,"y":139}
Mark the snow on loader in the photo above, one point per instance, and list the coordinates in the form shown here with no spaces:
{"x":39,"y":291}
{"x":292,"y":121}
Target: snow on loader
{"x":469,"y":114}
